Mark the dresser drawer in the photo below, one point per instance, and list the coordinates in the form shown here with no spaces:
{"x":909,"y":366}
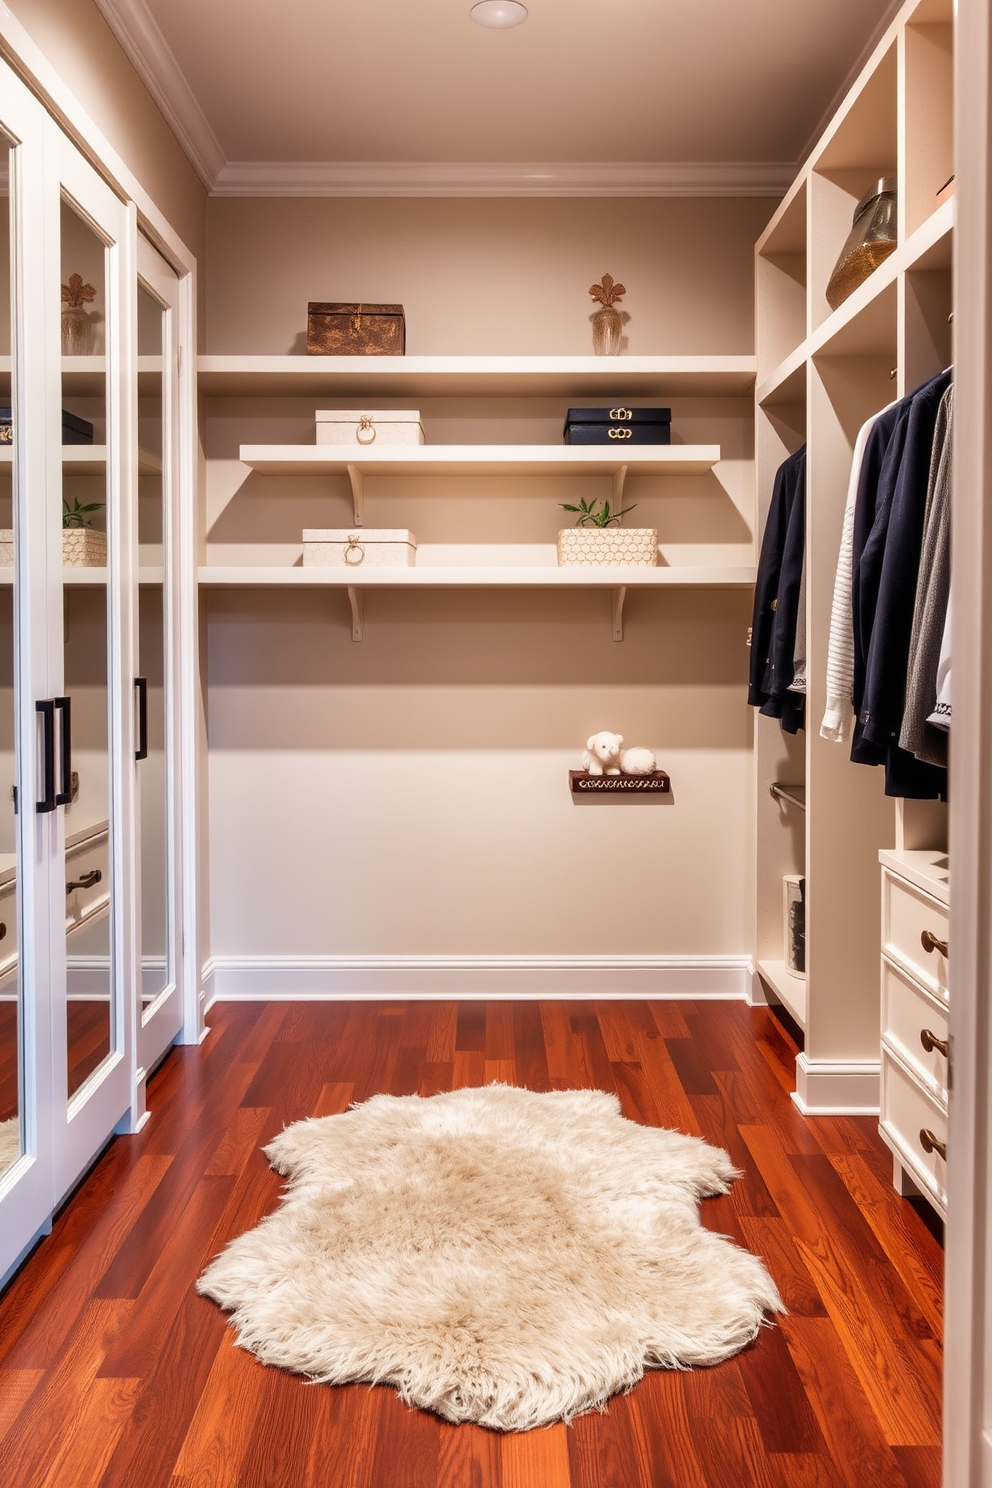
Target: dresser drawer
{"x":87,"y":867}
{"x":907,"y":1110}
{"x":908,"y":915}
{"x":908,"y":1012}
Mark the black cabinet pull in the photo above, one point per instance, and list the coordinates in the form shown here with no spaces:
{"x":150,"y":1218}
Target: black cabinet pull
{"x":47,"y":710}
{"x":63,"y":706}
{"x":141,"y":683}
{"x":85,"y":881}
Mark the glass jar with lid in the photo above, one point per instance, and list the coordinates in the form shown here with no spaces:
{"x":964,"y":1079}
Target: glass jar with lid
{"x":871,"y":239}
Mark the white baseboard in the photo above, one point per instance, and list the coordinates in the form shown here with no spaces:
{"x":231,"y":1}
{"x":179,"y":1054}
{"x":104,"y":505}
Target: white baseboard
{"x":828,"y":1088}
{"x":348,"y":978}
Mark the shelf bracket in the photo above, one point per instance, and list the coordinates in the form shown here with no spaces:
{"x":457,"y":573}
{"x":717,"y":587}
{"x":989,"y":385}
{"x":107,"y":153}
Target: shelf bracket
{"x":356,"y":598}
{"x":357,"y":494}
{"x":619,"y":477}
{"x":619,"y":595}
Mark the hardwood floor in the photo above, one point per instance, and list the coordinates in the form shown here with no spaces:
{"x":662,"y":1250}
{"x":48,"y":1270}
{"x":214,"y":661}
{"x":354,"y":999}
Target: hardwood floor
{"x":115,"y":1374}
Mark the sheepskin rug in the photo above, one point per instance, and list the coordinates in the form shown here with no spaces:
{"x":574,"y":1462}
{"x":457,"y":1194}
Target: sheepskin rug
{"x":500,"y":1256}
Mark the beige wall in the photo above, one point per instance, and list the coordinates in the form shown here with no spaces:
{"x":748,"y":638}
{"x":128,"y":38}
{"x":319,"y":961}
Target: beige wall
{"x":496,"y":277}
{"x":81,"y":47}
{"x":408,"y":795}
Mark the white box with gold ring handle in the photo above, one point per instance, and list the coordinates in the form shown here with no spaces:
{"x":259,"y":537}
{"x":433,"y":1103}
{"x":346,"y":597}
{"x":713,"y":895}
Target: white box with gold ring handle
{"x":359,"y":548}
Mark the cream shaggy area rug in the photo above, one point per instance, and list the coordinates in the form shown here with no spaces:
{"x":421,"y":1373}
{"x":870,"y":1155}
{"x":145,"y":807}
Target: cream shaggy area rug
{"x":10,"y":1142}
{"x":501,"y":1256}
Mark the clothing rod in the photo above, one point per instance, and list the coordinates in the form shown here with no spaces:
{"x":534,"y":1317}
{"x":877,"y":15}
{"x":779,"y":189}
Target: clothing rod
{"x":794,"y":794}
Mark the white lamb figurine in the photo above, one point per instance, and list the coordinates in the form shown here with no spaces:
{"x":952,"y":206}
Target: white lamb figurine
{"x":637,"y":762}
{"x":601,"y":755}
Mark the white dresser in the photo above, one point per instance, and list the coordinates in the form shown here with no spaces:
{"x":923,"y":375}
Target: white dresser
{"x":915,"y":1062}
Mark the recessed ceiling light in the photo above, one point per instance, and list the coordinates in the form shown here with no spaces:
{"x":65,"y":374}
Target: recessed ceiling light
{"x":498,"y":15}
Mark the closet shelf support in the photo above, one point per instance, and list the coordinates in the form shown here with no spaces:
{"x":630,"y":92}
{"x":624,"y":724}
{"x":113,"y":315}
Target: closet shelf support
{"x":357,"y":494}
{"x":619,"y":595}
{"x":619,"y":477}
{"x":356,"y":598}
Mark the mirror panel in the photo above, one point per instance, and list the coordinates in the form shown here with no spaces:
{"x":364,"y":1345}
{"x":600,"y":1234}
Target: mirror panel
{"x":83,"y":722}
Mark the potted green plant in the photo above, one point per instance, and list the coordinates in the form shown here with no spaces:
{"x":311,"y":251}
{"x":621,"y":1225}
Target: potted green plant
{"x":598,"y":539}
{"x":83,"y":546}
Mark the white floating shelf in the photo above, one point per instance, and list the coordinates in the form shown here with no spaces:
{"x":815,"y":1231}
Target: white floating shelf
{"x":89,"y":459}
{"x":478,"y":376}
{"x":480,"y":459}
{"x":442,"y":577}
{"x":355,"y":583}
{"x":359,"y":462}
{"x":89,"y":578}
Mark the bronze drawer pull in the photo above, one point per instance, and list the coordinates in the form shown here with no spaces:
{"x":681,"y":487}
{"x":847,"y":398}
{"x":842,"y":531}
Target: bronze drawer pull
{"x":3,"y":930}
{"x":929,"y":942}
{"x":85,"y":880}
{"x":929,"y":1143}
{"x":930,"y":1041}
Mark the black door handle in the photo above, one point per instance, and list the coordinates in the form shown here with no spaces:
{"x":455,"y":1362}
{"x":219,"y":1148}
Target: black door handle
{"x":64,"y":796}
{"x":47,"y":710}
{"x":141,"y":683}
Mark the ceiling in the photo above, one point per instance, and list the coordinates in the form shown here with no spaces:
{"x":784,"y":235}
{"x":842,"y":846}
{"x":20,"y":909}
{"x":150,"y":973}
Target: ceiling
{"x":377,"y":96}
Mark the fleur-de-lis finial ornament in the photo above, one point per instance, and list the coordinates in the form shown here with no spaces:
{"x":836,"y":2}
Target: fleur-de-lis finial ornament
{"x":76,"y":293}
{"x":607,"y":322}
{"x":607,"y":293}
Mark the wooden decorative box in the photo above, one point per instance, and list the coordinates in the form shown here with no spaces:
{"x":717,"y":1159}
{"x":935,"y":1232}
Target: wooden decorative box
{"x":355,"y":330}
{"x":583,"y":784}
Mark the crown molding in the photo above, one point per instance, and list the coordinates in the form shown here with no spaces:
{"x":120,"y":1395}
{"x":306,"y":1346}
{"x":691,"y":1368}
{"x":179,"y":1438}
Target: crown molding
{"x":152,"y":58}
{"x":506,"y":178}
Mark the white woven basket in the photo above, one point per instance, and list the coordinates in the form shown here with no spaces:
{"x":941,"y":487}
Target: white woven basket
{"x":83,"y":547}
{"x":598,"y":547}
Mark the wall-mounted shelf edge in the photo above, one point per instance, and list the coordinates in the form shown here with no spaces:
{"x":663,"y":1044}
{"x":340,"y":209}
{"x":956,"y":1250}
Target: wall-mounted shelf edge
{"x":477,"y":376}
{"x":479,"y":459}
{"x":216,"y":576}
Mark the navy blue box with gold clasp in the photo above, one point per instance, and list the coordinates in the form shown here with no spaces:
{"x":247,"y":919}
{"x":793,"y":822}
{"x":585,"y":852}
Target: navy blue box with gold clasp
{"x":618,"y":425}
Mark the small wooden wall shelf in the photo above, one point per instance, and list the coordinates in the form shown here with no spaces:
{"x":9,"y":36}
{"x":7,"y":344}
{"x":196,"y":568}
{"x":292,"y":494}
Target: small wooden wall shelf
{"x":581,"y":783}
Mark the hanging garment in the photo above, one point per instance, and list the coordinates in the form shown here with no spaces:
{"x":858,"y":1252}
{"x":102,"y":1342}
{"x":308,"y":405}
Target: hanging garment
{"x":941,"y":715}
{"x":840,"y":644}
{"x":886,"y":565}
{"x":776,"y":597}
{"x":798,"y":683}
{"x":933,"y":589}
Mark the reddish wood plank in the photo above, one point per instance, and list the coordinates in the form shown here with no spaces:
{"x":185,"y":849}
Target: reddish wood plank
{"x":850,"y":1428}
{"x":219,"y":1435}
{"x":602,"y":1450}
{"x":470,"y":1028}
{"x":407,"y":1444}
{"x":532,"y":1066}
{"x":536,"y":1459}
{"x":770,"y":1239}
{"x":469,"y":1458}
{"x":900,"y":1232}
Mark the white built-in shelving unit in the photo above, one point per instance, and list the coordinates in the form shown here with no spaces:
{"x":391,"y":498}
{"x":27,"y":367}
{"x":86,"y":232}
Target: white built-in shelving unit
{"x":820,"y":374}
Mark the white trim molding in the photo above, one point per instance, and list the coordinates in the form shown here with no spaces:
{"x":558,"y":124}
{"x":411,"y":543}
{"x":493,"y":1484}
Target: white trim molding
{"x":572,"y":178}
{"x":463,"y":978}
{"x":828,"y":1088}
{"x":152,"y":58}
